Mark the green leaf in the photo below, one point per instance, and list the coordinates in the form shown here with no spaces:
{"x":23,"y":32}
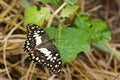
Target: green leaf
{"x":102,"y":33}
{"x":82,"y":21}
{"x":69,"y":42}
{"x":97,"y":30}
{"x":68,"y":10}
{"x":36,"y":16}
{"x":71,"y":1}
{"x":50,"y":1}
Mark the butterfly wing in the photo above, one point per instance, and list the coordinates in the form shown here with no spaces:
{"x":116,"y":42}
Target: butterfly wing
{"x":34,"y":37}
{"x":41,"y":49}
{"x":51,"y":57}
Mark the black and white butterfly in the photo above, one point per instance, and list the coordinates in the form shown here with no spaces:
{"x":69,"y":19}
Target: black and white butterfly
{"x":41,"y":48}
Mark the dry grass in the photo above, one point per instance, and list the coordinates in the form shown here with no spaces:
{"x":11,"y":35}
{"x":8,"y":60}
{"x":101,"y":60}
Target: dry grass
{"x":14,"y":64}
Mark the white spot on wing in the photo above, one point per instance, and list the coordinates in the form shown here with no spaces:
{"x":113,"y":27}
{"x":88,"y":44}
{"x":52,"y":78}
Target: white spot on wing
{"x":59,"y":62}
{"x":37,"y":26}
{"x":42,"y":60}
{"x":37,"y":58}
{"x":57,"y":54}
{"x":32,"y":27}
{"x":58,"y":59}
{"x":37,"y":38}
{"x":29,"y":38}
{"x":28,"y":48}
{"x":38,"y":31}
{"x":32,"y":54}
{"x":50,"y":65}
{"x":33,"y":57}
{"x":39,"y":61}
{"x":47,"y":64}
{"x":54,"y":58}
{"x":49,"y":57}
{"x":53,"y":61}
{"x":59,"y":70}
{"x":45,"y":51}
{"x":28,"y":43}
{"x":42,"y":31}
{"x":56,"y":65}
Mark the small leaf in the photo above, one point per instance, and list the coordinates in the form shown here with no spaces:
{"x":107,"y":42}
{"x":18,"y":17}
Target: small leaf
{"x":35,"y":16}
{"x":50,"y":1}
{"x":82,"y":21}
{"x":68,"y":10}
{"x":102,"y":33}
{"x":71,"y":1}
{"x":97,"y":29}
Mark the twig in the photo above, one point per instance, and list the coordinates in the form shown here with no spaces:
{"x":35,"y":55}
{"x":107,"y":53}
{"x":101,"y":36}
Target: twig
{"x":117,"y":77}
{"x":107,"y":10}
{"x":32,"y":72}
{"x":82,"y":5}
{"x":104,"y":72}
{"x":14,"y":40}
{"x":12,"y":31}
{"x":107,"y":49}
{"x":19,"y":36}
{"x":95,"y":8}
{"x":55,"y":13}
{"x":52,"y":77}
{"x":28,"y":71}
{"x":4,"y":49}
{"x":9,"y":8}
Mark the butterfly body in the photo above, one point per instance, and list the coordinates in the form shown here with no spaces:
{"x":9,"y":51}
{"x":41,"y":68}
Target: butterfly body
{"x":41,"y":48}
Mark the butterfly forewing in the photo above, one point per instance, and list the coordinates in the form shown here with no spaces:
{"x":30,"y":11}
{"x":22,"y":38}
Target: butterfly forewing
{"x":34,"y":36}
{"x":41,"y":48}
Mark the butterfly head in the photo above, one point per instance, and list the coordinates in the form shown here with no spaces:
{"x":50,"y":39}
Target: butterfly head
{"x":32,"y":27}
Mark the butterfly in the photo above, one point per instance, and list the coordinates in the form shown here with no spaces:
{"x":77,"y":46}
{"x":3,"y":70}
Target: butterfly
{"x":41,"y":48}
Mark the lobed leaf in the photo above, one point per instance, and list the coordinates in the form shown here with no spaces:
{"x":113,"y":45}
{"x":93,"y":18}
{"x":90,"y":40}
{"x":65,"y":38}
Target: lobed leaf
{"x":69,"y":42}
{"x":36,"y":16}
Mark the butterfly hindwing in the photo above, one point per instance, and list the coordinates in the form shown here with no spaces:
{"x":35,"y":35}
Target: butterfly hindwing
{"x":51,"y":57}
{"x":41,"y":48}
